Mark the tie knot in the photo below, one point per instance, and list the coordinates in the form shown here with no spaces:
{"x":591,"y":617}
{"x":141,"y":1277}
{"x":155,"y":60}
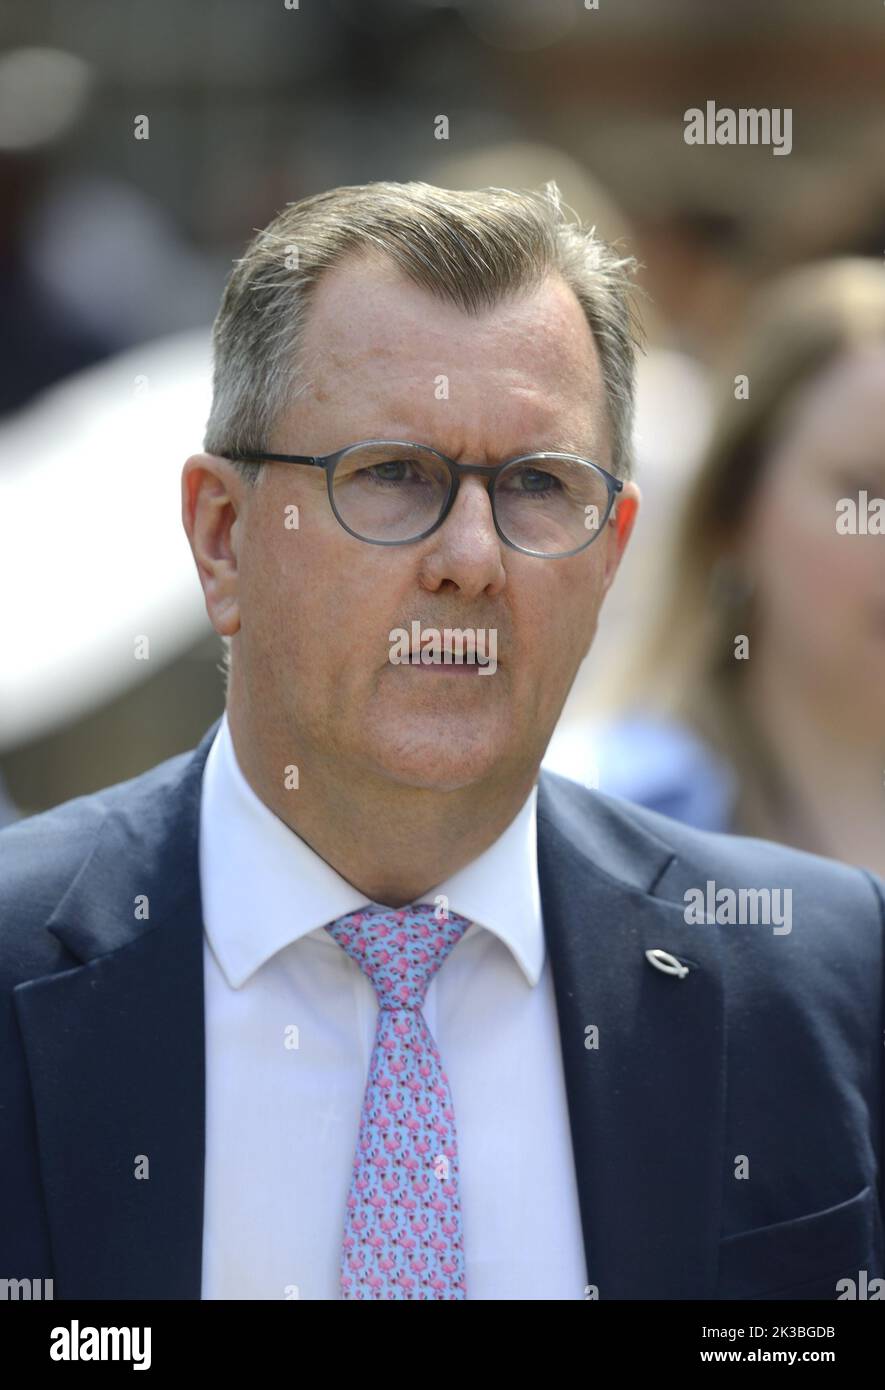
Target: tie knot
{"x":399,"y":949}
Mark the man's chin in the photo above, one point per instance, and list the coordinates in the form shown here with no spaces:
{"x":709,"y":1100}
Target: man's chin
{"x":440,"y":760}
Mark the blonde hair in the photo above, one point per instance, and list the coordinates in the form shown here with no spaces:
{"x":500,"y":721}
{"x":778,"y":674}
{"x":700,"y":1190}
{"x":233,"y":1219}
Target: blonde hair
{"x":684,"y":664}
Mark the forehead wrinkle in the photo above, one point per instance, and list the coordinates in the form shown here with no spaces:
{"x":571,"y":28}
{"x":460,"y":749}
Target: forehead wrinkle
{"x":390,"y":414}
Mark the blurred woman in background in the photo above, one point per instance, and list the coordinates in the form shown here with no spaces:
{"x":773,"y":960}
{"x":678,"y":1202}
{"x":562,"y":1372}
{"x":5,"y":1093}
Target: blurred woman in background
{"x":756,"y":703}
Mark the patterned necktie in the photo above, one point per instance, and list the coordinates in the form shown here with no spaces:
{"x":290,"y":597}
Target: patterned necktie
{"x":402,"y":1229}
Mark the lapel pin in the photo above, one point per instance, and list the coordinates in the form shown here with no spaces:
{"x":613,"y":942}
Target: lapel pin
{"x":662,"y":960}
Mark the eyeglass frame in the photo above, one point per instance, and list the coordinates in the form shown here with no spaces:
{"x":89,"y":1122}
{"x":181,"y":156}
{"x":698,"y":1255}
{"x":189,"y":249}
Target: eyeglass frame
{"x":329,"y":463}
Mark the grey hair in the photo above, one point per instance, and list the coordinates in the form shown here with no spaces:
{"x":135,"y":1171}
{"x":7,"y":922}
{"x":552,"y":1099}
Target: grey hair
{"x":472,"y":248}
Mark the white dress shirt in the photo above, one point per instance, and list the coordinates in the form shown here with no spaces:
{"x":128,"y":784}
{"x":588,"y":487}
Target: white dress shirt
{"x":282,"y":1120}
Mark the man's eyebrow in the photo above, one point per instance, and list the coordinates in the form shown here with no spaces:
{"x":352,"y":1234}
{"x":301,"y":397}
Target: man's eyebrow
{"x":558,"y":445}
{"x":541,"y":444}
{"x":568,"y":446}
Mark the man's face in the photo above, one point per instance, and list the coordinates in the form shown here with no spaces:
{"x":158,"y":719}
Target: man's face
{"x":316,"y":606}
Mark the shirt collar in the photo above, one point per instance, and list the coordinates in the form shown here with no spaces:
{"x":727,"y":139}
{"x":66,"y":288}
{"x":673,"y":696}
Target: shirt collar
{"x":263,"y":887}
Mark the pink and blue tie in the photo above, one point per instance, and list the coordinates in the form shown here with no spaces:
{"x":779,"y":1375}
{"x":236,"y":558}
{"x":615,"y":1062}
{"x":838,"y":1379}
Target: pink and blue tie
{"x":402,"y":1229}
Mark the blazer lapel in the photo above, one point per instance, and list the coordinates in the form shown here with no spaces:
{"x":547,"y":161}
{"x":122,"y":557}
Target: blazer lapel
{"x":115,"y":1051}
{"x":647,"y":1105}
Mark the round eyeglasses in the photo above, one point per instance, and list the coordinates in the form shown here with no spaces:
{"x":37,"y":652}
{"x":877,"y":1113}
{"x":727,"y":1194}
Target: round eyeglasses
{"x":392,"y":492}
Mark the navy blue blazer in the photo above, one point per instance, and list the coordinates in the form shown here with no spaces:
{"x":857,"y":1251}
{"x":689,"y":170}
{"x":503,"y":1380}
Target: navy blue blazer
{"x":766,"y":1057}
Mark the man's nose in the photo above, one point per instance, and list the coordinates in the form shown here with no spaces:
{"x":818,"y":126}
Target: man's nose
{"x":466,"y":549}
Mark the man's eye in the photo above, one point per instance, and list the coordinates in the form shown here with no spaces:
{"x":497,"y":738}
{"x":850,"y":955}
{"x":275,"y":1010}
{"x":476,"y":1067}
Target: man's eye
{"x":389,"y":472}
{"x":534,"y":480}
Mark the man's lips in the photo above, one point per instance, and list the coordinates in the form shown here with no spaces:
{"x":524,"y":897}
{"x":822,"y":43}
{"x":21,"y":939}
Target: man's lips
{"x":452,"y":668}
{"x":463,"y":649}
{"x":452,"y":663}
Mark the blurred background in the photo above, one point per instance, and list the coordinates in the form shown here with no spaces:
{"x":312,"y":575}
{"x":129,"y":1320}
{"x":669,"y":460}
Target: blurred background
{"x":142,"y":144}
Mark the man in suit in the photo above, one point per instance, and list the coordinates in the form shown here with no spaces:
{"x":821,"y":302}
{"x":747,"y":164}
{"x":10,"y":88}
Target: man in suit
{"x":350,"y":1001}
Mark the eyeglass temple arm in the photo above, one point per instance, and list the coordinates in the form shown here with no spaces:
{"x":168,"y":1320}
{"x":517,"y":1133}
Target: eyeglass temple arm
{"x":243,"y":456}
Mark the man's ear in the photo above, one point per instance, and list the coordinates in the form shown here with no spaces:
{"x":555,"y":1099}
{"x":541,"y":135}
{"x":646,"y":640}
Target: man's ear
{"x":211,"y":502}
{"x":620,"y":528}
